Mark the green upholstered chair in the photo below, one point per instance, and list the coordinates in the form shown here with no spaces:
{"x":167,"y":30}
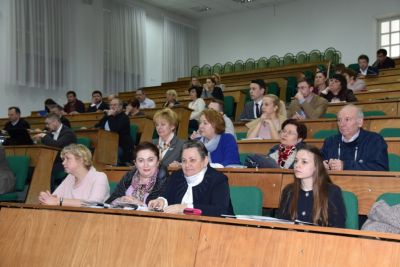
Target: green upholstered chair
{"x":314,"y":56}
{"x":229,"y":106}
{"x":322,"y":134}
{"x":288,"y":59}
{"x":113,"y":185}
{"x":243,"y":157}
{"x":274,"y":61}
{"x":86,"y":141}
{"x":228,"y":67}
{"x":354,"y":67}
{"x":273,"y":88}
{"x":329,"y":116}
{"x":351,"y":204}
{"x":246,"y":200}
{"x":301,"y":58}
{"x":390,"y":198}
{"x":390,"y":132}
{"x":19,"y":165}
{"x":394,"y":162}
{"x":291,"y":88}
{"x":371,"y":113}
{"x":330,"y":54}
{"x":250,"y":64}
{"x":195,"y":71}
{"x":134,"y":133}
{"x":217,"y":68}
{"x":238,"y":66}
{"x":241,"y":135}
{"x":205,"y":70}
{"x":262,"y":63}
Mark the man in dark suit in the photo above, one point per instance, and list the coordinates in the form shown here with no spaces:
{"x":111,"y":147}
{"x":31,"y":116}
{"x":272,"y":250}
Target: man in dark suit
{"x":73,"y":105}
{"x":365,"y":69}
{"x":115,"y":120}
{"x":253,"y":108}
{"x":383,"y":61}
{"x":59,"y":136}
{"x":57,"y":109}
{"x":15,"y":120}
{"x":97,"y":103}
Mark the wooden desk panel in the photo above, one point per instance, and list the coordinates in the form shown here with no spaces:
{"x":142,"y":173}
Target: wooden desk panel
{"x":41,"y":158}
{"x":390,"y":107}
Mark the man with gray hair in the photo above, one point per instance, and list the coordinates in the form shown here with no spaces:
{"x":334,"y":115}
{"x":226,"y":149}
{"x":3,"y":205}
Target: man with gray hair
{"x":354,"y":148}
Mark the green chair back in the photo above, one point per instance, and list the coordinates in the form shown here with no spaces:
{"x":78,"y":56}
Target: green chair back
{"x":390,"y":132}
{"x":301,"y":57}
{"x":288,"y":59}
{"x":195,"y":71}
{"x":250,"y":64}
{"x":229,"y":105}
{"x":228,"y":67}
{"x":262,"y":63}
{"x":314,"y":56}
{"x":322,"y":134}
{"x":274,"y":62}
{"x":217,"y":68}
{"x":239,"y":66}
{"x":354,"y":67}
{"x":134,"y":133}
{"x":243,"y":157}
{"x":246,"y":200}
{"x":330,"y":54}
{"x":241,"y":135}
{"x":205,"y":70}
{"x":329,"y":116}
{"x":390,"y":198}
{"x":113,"y":185}
{"x":394,"y":162}
{"x":273,"y":88}
{"x":19,"y":165}
{"x":371,"y":113}
{"x":86,"y":141}
{"x":351,"y":204}
{"x":309,"y":74}
{"x":291,"y":88}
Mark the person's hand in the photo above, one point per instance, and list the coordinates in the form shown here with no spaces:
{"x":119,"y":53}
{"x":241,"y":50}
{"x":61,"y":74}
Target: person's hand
{"x":335,"y":164}
{"x":111,"y":112}
{"x":64,"y":113}
{"x":297,"y":116}
{"x":46,"y":198}
{"x":195,"y":135}
{"x":38,"y":137}
{"x":175,"y":164}
{"x":74,"y":112}
{"x":130,"y":200}
{"x":156,"y":204}
{"x":175,"y":209}
{"x":299,"y":96}
{"x":326,"y":164}
{"x":37,"y":130}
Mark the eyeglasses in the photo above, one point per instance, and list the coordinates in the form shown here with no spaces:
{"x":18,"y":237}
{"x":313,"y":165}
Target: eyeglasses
{"x":287,"y":132}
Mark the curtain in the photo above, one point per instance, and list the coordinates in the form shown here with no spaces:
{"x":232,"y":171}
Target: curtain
{"x":180,"y":50}
{"x":124,"y":47}
{"x":39,"y":43}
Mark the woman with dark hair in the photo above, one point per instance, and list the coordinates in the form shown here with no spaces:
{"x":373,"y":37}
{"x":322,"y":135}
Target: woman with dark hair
{"x":145,"y":181}
{"x":320,"y":83}
{"x":197,"y":105}
{"x":48,"y":103}
{"x":312,"y":197}
{"x":337,"y":91}
{"x":353,"y":82}
{"x":211,"y":90}
{"x":196,"y":185}
{"x":133,"y":109}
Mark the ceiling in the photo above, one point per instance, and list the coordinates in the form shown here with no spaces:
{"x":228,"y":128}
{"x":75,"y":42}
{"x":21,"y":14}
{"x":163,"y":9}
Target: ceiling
{"x":195,"y":8}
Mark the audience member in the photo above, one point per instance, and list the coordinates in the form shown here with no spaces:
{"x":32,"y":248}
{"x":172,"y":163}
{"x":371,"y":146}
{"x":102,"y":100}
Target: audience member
{"x":320,"y":83}
{"x":196,"y":185}
{"x":111,"y":97}
{"x":383,"y":61}
{"x":340,"y":68}
{"x":211,"y":91}
{"x":48,"y":103}
{"x":133,"y":109}
{"x":58,"y":110}
{"x":97,"y":104}
{"x":269,"y":123}
{"x":171,"y":99}
{"x":218,"y":83}
{"x":218,"y":106}
{"x":353,"y":82}
{"x":7,"y":178}
{"x":221,"y":146}
{"x":115,"y":120}
{"x":365,"y":69}
{"x":312,"y":197}
{"x":194,"y":82}
{"x":145,"y":181}
{"x":337,"y":90}
{"x":59,"y":136}
{"x":252,"y":109}
{"x":73,"y":105}
{"x":354,"y":148}
{"x":145,"y":102}
{"x":15,"y":121}
{"x":197,"y":105}
{"x":83,"y":183}
{"x":306,"y":104}
{"x":170,"y":146}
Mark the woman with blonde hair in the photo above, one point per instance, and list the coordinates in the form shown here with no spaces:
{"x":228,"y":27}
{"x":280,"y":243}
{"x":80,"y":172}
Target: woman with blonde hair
{"x":171,"y":96}
{"x":217,"y":79}
{"x":83,"y":182}
{"x":269,"y":124}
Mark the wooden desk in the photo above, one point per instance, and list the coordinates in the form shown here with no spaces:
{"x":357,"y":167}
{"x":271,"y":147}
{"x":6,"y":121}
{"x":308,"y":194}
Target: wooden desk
{"x":390,"y":107}
{"x":131,"y":238}
{"x":41,"y":159}
{"x":105,"y":145}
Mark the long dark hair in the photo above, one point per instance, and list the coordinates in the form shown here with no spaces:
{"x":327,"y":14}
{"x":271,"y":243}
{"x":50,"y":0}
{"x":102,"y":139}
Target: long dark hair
{"x":320,"y":190}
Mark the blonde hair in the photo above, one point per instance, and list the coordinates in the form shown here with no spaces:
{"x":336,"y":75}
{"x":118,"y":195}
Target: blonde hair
{"x":281,"y":111}
{"x":168,"y":115}
{"x":173,"y":93}
{"x":79,"y":152}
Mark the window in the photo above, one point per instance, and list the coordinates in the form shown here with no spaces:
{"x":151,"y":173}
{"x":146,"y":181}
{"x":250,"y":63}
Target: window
{"x":389,"y":35}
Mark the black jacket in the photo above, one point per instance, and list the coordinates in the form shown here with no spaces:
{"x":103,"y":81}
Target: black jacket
{"x":20,"y":124}
{"x":103,"y":106}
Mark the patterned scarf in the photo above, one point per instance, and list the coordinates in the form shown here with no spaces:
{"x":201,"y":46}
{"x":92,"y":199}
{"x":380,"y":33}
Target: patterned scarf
{"x":141,"y":191}
{"x":284,"y":153}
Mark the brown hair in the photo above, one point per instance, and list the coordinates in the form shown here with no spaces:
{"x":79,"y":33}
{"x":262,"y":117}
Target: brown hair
{"x":350,"y":72}
{"x":215,"y":119}
{"x":320,"y":190}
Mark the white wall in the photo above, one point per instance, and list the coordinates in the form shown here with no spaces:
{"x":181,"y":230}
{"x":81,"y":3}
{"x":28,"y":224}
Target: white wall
{"x":349,"y":26}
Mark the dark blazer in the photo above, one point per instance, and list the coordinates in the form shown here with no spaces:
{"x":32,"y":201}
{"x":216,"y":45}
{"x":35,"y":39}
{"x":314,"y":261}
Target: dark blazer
{"x":174,"y":152}
{"x":370,"y":71}
{"x":78,"y":107}
{"x":66,"y":137}
{"x":216,"y":93}
{"x":126,"y":181}
{"x":248,"y":111}
{"x":120,"y":124}
{"x":211,"y":195}
{"x":344,"y":95}
{"x":20,"y":124}
{"x":103,"y":106}
{"x":65,"y":121}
